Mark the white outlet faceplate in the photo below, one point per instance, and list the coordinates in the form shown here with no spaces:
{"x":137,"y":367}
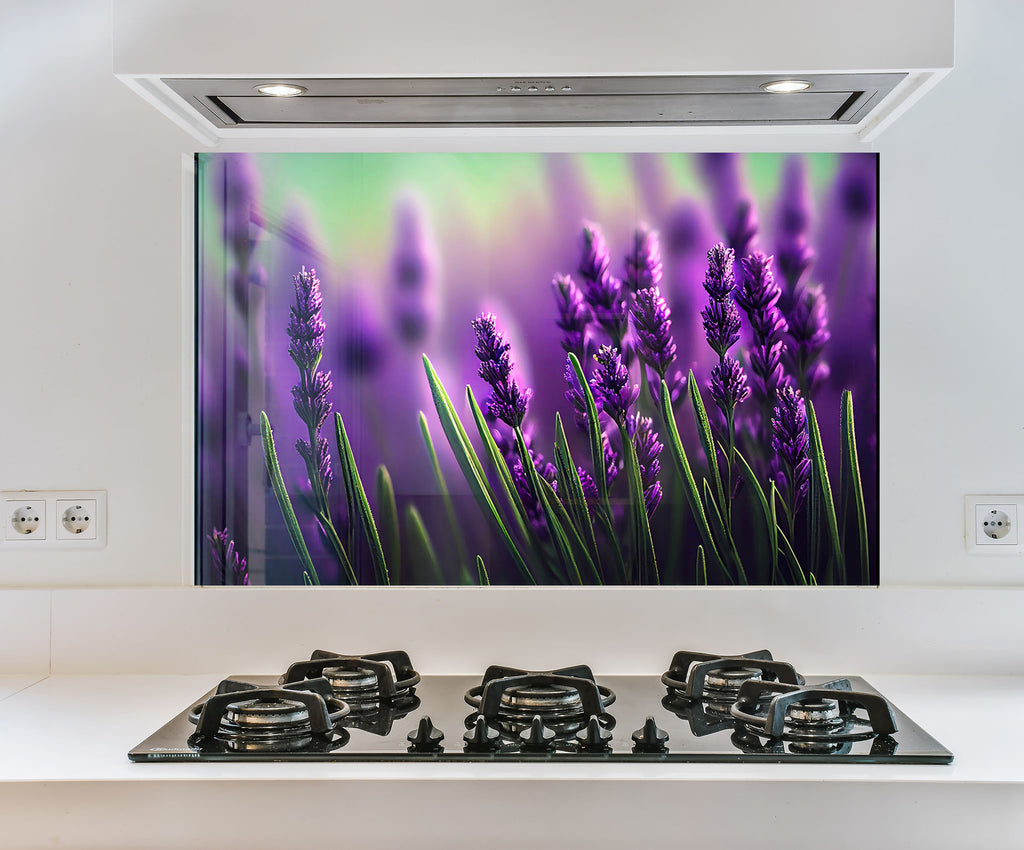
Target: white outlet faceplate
{"x":54,"y":519}
{"x":992,"y":525}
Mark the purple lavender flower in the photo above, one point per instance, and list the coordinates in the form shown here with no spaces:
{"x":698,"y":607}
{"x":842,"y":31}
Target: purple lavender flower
{"x":574,"y":395}
{"x":310,"y":396}
{"x":611,"y":383}
{"x":789,"y":425}
{"x":602,"y":290}
{"x":507,"y":402}
{"x":758,"y":296}
{"x":652,"y":321}
{"x":521,"y":481}
{"x":643,"y":265}
{"x":574,"y":316}
{"x":728,"y":385}
{"x":719,"y":280}
{"x":720,"y":318}
{"x":611,"y":460}
{"x":648,"y":448}
{"x":808,"y":330}
{"x":792,"y":221}
{"x":305,"y":324}
{"x":228,"y":566}
{"x":588,"y":484}
{"x":363,"y":349}
{"x":721,"y":322}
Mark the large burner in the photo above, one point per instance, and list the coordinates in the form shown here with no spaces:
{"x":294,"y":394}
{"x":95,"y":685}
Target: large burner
{"x":244,"y":717}
{"x":564,"y":699}
{"x":824,"y":715}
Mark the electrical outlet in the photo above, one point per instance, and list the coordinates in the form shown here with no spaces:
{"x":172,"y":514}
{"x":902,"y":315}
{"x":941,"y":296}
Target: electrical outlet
{"x":54,"y":519}
{"x":25,"y":519}
{"x":991,"y":525}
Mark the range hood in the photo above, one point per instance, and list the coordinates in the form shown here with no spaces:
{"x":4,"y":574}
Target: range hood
{"x":458,"y":65}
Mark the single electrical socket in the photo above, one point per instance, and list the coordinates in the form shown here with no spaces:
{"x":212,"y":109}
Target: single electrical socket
{"x":25,"y":519}
{"x":54,"y":519}
{"x":991,"y":525}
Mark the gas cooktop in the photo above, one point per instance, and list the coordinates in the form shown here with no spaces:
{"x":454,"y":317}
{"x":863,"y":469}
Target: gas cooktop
{"x":704,"y":708}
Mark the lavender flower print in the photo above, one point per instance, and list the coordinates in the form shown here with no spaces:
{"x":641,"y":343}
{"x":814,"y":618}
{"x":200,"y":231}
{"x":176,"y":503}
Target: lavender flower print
{"x":808,"y":333}
{"x":643,"y":265}
{"x":507,"y":402}
{"x":790,"y":440}
{"x":648,"y":449}
{"x":602,"y":290}
{"x":652,"y":322}
{"x":611,"y":383}
{"x":228,"y":566}
{"x":759,"y":296}
{"x":574,"y":316}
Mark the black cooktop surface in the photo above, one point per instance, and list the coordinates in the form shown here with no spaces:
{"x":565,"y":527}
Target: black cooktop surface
{"x":628,"y":718}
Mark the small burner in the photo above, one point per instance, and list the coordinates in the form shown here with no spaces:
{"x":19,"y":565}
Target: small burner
{"x":815,"y":716}
{"x":564,"y":699}
{"x":365,"y":681}
{"x":718,"y":678}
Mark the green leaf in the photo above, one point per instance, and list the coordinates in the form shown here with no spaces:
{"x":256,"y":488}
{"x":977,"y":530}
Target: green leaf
{"x":391,"y":538}
{"x":572,"y":495}
{"x":707,"y":441}
{"x":790,"y":556}
{"x":481,"y":572}
{"x":455,"y":532}
{"x":820,"y":483}
{"x":285,"y":503}
{"x":702,"y":567}
{"x":594,"y":435}
{"x":718,"y":525}
{"x":852,"y":488}
{"x":643,"y":550}
{"x":470,"y":465}
{"x":500,"y":467}
{"x":682,"y":465}
{"x":354,"y":485}
{"x":561,"y":535}
{"x":422,"y":556}
{"x":767,"y":512}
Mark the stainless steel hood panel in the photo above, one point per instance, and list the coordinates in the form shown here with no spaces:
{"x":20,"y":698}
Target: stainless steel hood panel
{"x":578,"y":101}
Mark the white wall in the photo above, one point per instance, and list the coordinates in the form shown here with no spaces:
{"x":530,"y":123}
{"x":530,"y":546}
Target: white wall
{"x":91,"y":344}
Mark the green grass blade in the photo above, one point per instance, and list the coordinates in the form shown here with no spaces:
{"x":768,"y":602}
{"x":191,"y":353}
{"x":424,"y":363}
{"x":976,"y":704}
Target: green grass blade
{"x":572,"y":495}
{"x":500,"y":467}
{"x":422,"y":555}
{"x":455,"y":532}
{"x":353,"y":483}
{"x":481,"y":571}
{"x":718,"y":525}
{"x":819,"y":480}
{"x":772,"y":496}
{"x":702,"y":567}
{"x":594,"y":436}
{"x":470,"y":465}
{"x":285,"y":503}
{"x":794,"y":562}
{"x":852,"y":487}
{"x":391,"y":538}
{"x":643,"y":550}
{"x":682,"y":465}
{"x":767,"y":512}
{"x":331,"y":533}
{"x":707,"y":441}
{"x":560,"y":535}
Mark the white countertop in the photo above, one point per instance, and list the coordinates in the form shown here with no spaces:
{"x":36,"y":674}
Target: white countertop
{"x":62,"y":752}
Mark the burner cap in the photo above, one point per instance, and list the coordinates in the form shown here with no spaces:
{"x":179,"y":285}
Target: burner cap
{"x":549,"y":701}
{"x":348,"y":682}
{"x":266,"y":714}
{"x":818,"y":716}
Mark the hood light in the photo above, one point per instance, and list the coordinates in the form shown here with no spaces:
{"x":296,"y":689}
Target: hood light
{"x":280,"y":90}
{"x":786,"y":86}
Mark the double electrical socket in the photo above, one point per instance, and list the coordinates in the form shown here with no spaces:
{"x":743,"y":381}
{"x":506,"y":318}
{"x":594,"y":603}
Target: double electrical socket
{"x":56,"y":519}
{"x":992,"y":525}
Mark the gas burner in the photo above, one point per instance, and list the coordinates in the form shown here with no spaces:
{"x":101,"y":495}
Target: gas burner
{"x":364,"y":681}
{"x":247,"y":718}
{"x":563,"y":699}
{"x":813,"y":719}
{"x":717,"y":679}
